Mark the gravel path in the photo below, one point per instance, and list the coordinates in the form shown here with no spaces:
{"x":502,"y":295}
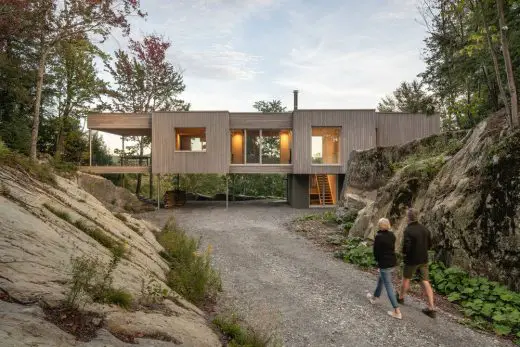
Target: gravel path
{"x":320,"y":300}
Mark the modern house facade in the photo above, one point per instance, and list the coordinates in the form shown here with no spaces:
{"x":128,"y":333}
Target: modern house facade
{"x":311,"y":146}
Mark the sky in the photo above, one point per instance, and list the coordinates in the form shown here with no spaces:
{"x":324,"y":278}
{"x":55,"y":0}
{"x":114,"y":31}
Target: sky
{"x":337,"y":53}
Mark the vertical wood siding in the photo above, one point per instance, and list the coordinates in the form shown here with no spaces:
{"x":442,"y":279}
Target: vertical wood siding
{"x":399,"y":128}
{"x":256,"y":120}
{"x":357,"y":133}
{"x":217,"y":156}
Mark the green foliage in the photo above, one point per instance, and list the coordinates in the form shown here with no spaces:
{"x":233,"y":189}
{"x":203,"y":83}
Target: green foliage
{"x":269,"y":106}
{"x":191,"y":273}
{"x":59,"y":213}
{"x":152,"y":292}
{"x":327,"y":216}
{"x":240,"y":336}
{"x":357,"y":252}
{"x":489,"y":304}
{"x":409,"y":97}
{"x":121,"y":216}
{"x":118,"y":297}
{"x":425,"y":169}
{"x":92,"y":279}
{"x":41,"y":172}
{"x":117,"y":248}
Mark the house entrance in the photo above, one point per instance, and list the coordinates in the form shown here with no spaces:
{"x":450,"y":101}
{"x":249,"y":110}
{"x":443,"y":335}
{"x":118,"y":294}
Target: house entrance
{"x":323,"y":190}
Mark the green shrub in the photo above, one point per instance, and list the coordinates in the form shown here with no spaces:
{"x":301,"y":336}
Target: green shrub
{"x":59,"y":213}
{"x":191,"y":273}
{"x":83,"y":274}
{"x":240,"y":336}
{"x":355,"y":251}
{"x":64,"y":168}
{"x":41,"y":172}
{"x":490,"y":305}
{"x":91,"y":278}
{"x":118,"y":297}
{"x":4,"y":190}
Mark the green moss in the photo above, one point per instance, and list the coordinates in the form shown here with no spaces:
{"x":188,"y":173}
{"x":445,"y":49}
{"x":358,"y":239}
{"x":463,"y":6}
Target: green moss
{"x":116,"y":247}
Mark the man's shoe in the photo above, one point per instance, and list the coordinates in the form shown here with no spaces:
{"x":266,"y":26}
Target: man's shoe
{"x":430,"y":313}
{"x":399,"y":299}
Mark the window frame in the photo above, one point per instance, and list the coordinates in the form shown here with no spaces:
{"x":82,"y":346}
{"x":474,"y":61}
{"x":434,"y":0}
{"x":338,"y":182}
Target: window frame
{"x":190,"y":151}
{"x":260,"y":161}
{"x":340,"y":136}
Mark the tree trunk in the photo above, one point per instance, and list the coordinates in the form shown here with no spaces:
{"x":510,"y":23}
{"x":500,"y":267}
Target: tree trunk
{"x":495,"y":65}
{"x":509,"y":65}
{"x":37,"y":102}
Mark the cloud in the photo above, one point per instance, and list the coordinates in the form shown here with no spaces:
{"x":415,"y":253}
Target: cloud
{"x":337,"y":68}
{"x":397,"y":10}
{"x":219,"y":62}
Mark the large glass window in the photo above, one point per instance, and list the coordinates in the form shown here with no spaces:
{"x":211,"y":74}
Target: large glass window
{"x":253,"y":142}
{"x":190,"y":139}
{"x":238,"y":146}
{"x":325,"y":145}
{"x":253,"y":146}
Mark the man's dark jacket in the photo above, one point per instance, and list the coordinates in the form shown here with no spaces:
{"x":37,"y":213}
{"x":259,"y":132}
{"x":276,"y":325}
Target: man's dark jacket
{"x":416,"y":243}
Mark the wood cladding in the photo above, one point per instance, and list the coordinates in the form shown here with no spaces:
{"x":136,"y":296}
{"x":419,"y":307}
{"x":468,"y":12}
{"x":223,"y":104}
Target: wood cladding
{"x":360,"y":129}
{"x":257,"y":120}
{"x":399,"y":128}
{"x":165,"y":159}
{"x":125,"y":124}
{"x":261,"y":168}
{"x":357,"y":133}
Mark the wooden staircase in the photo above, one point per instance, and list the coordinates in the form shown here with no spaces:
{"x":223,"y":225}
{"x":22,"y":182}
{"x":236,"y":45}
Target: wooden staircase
{"x":323,"y":195}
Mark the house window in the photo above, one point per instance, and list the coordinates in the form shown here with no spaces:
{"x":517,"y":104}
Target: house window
{"x":190,"y":139}
{"x":261,"y":146}
{"x":325,"y":145}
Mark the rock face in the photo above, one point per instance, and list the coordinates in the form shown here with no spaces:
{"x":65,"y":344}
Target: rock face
{"x":36,"y":247}
{"x":468,"y":195}
{"x":115,"y":198}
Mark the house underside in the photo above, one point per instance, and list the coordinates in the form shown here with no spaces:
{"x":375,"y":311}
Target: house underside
{"x":311,"y":147}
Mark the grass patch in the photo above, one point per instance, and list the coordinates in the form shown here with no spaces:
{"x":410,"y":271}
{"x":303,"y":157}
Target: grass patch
{"x":116,"y":247}
{"x":191,"y":273}
{"x":67,"y":170}
{"x":59,"y":213}
{"x":41,"y":172}
{"x":121,"y":216}
{"x":327,"y":216}
{"x":4,"y":190}
{"x":238,"y":335}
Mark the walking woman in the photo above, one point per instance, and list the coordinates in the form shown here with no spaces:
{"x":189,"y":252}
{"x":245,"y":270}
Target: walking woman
{"x":384,"y":253}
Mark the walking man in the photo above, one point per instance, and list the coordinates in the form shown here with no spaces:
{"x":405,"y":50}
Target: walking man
{"x":416,"y":243}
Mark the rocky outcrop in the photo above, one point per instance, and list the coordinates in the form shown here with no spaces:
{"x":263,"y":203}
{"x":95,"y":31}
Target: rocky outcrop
{"x":40,"y":232}
{"x":466,"y":187}
{"x":115,"y":198}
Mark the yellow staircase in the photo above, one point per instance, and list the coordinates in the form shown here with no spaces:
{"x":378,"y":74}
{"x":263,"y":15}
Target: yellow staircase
{"x":322,"y":194}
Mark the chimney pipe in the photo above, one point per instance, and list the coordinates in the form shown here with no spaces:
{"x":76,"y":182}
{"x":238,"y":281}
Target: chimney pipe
{"x":295,"y":99}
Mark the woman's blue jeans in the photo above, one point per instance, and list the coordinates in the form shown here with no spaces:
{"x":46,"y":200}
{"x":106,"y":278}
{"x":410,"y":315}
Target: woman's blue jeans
{"x":385,"y":278}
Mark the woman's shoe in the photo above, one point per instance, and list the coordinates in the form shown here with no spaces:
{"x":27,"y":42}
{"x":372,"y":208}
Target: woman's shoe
{"x":371,"y":298}
{"x":395,"y":315}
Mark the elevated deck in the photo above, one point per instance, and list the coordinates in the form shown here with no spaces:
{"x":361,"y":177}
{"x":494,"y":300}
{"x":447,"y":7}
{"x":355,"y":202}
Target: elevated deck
{"x":101,"y":170}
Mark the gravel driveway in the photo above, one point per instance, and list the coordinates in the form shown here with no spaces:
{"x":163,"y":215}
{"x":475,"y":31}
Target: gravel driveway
{"x":320,"y":300}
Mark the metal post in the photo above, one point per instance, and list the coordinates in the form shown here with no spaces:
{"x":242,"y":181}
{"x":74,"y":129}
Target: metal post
{"x":90,"y":147}
{"x":158,"y":189}
{"x":227,"y":192}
